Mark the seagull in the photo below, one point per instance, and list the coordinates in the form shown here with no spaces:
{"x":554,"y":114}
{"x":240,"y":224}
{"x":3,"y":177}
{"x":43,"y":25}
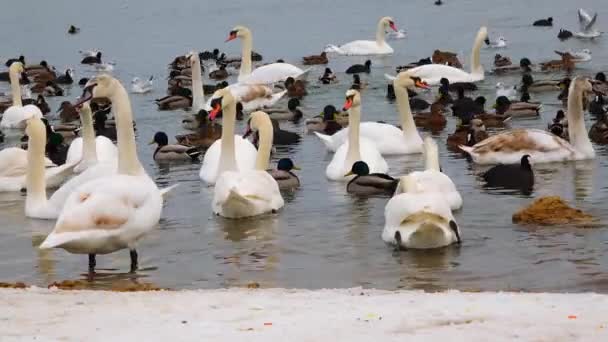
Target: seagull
{"x":396,"y":35}
{"x":502,"y":90}
{"x":586,"y":23}
{"x":106,"y":66}
{"x":581,"y":56}
{"x":501,"y":42}
{"x":88,"y":53}
{"x":139,"y":86}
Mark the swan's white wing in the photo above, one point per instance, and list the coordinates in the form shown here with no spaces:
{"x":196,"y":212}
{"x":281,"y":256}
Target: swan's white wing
{"x":13,"y":162}
{"x":245,"y":154}
{"x":433,"y":73}
{"x":246,"y":193}
{"x":97,"y":171}
{"x":360,"y":47}
{"x":272,"y":73}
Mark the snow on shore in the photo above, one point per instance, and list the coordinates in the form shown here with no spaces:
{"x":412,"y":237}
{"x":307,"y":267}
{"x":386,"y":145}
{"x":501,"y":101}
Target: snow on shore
{"x":300,"y":315}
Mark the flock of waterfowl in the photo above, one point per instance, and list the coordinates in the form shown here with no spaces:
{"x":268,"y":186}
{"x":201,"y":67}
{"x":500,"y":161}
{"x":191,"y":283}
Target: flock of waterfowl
{"x":105,"y":201}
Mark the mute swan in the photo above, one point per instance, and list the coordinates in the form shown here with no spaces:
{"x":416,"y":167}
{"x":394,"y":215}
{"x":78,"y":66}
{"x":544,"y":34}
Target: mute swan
{"x":221,"y":156}
{"x":357,"y":147}
{"x":254,"y":192}
{"x":16,"y":115}
{"x":388,"y":138}
{"x":433,"y":73}
{"x":367,"y":47}
{"x":587,"y":24}
{"x":267,"y":74}
{"x":89,"y":150}
{"x":419,"y":220}
{"x":542,"y":146}
{"x":112,"y":212}
{"x":433,"y":181}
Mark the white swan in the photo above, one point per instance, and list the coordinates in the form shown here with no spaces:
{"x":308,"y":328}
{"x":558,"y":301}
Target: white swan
{"x":250,"y":192}
{"x":198,"y":95}
{"x":367,"y":47}
{"x":419,"y":220}
{"x":543,"y":147}
{"x":16,"y":115}
{"x":112,"y":212}
{"x":267,"y":74}
{"x":433,"y":181}
{"x":221,"y":155}
{"x":388,"y":138}
{"x":587,"y":24}
{"x":357,"y":147}
{"x":433,"y":73}
{"x":88,"y":150}
{"x":13,"y":162}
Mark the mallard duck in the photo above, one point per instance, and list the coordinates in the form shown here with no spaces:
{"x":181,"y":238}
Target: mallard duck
{"x":66,"y":78}
{"x":501,"y":61}
{"x":327,"y":122}
{"x":174,"y":152}
{"x":530,"y":85}
{"x":446,"y":58}
{"x":295,"y":88}
{"x":422,"y":61}
{"x":67,"y":112}
{"x":598,"y":133}
{"x":284,"y":176}
{"x":207,"y":132}
{"x":359,"y":68}
{"x":559,"y":125}
{"x":328,"y":77}
{"x":489,"y":119}
{"x":518,"y":176}
{"x":219,"y":74}
{"x":566,"y":63}
{"x":357,"y":84}
{"x":506,"y":107}
{"x":599,"y":83}
{"x":42,"y":104}
{"x":283,"y":137}
{"x":101,"y":128}
{"x":434,"y":120}
{"x":292,"y":113}
{"x":365,"y":183}
{"x":456,"y":86}
{"x":315,"y":59}
{"x":467,"y":135}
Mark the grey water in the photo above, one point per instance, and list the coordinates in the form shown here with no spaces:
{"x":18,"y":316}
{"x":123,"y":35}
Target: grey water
{"x":323,"y":237}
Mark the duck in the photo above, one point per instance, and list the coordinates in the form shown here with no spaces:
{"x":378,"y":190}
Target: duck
{"x":365,"y":183}
{"x":543,"y":22}
{"x":174,"y":152}
{"x":456,"y":86}
{"x":284,"y":176}
{"x":357,"y":84}
{"x":598,"y":133}
{"x":102,"y":128}
{"x":292,"y":113}
{"x":183,"y":100}
{"x":509,"y":108}
{"x":67,"y":112}
{"x":597,"y":106}
{"x":417,"y":219}
{"x":110,"y":212}
{"x":315,"y":59}
{"x":468,"y":135}
{"x":283,"y":137}
{"x":66,"y":78}
{"x":295,"y":88}
{"x":92,"y":59}
{"x":433,"y":73}
{"x":435,"y":120}
{"x":326,"y":122}
{"x":264,"y":75}
{"x":139,"y":86}
{"x":599,"y":83}
{"x":250,"y":192}
{"x":501,"y":61}
{"x":438,"y":2}
{"x":528,"y":84}
{"x":422,"y":61}
{"x":559,"y":125}
{"x":587,"y":24}
{"x":83,"y":81}
{"x":219,"y":74}
{"x":367,"y":47}
{"x":519,"y":176}
{"x":328,"y":77}
{"x":48,"y":88}
{"x":543,"y":147}
{"x":445,"y":58}
{"x":231,"y":152}
{"x":564,"y":34}
{"x":42,"y":104}
{"x":73,"y":29}
{"x":566,"y":63}
{"x":16,"y":115}
{"x":359,"y":68}
{"x":206,"y":132}
{"x":209,"y":55}
{"x":389,"y":139}
{"x":10,"y":61}
{"x":55,"y":149}
{"x":356,"y":147}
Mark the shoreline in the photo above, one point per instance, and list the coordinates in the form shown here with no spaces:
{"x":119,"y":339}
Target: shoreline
{"x":353,"y":314}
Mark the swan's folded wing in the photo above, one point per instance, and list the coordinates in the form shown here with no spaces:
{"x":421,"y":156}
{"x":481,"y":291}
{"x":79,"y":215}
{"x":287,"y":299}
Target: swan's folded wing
{"x":522,"y":140}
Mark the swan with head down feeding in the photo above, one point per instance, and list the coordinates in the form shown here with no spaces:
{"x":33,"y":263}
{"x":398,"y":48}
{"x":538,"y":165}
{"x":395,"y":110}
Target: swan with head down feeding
{"x":542,"y":146}
{"x":111,"y":212}
{"x":388,"y":139}
{"x":356,"y":148}
{"x":16,"y":115}
{"x":367,"y":47}
{"x":252,"y":192}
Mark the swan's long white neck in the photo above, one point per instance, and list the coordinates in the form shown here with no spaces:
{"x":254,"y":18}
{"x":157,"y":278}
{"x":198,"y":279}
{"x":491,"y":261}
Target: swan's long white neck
{"x":405,"y":112}
{"x":128,"y":163}
{"x":89,"y":146}
{"x":476,"y":67}
{"x":35,"y":182}
{"x":198,"y":96}
{"x":265,"y":132}
{"x":227,"y":157}
{"x":245,"y":70}
{"x":431,"y":154}
{"x":577,"y":133}
{"x":353,"y":153}
{"x":15,"y":88}
{"x":380,"y":33}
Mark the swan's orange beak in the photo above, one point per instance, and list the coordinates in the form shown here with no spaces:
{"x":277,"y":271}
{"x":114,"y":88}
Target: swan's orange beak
{"x":392,"y":25}
{"x":216,"y":109}
{"x":348,"y":103}
{"x":422,"y":84}
{"x":232,"y":36}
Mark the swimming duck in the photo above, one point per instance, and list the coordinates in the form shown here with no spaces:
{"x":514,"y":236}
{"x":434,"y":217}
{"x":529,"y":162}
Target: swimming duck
{"x":597,"y":106}
{"x":52,"y":89}
{"x":519,"y":176}
{"x":101,"y":128}
{"x":315,"y":59}
{"x":295,"y":88}
{"x":501,"y":61}
{"x":73,"y":29}
{"x":208,"y":55}
{"x":509,"y":108}
{"x":42,"y":104}
{"x":92,"y":59}
{"x":56,"y":150}
{"x":566,"y":63}
{"x":446,"y":58}
{"x":530,"y":85}
{"x":467,"y":135}
{"x":326,"y":122}
{"x":544,"y":22}
{"x":292,"y":113}
{"x":599,"y":83}
{"x":359,"y":68}
{"x":357,"y":84}
{"x":328,"y":77}
{"x":434,"y":120}
{"x":206,"y":133}
{"x":67,"y":112}
{"x":599,"y":131}
{"x":497,"y":119}
{"x":166,"y":152}
{"x":559,"y":125}
{"x":365,"y":183}
{"x":283,"y":137}
{"x":564,"y":34}
{"x":66,"y":78}
{"x":219,"y":74}
{"x":284,"y":175}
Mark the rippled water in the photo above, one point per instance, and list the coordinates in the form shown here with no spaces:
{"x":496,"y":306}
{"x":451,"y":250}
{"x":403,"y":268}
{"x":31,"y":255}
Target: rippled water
{"x":323,"y":237}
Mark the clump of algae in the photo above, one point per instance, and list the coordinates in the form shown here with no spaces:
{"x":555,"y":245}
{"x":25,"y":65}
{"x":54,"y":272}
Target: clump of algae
{"x":551,"y":210}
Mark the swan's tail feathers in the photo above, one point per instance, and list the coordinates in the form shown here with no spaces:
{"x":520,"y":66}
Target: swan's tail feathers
{"x":326,"y":139}
{"x":390,"y":77}
{"x":54,"y":240}
{"x":165,"y":191}
{"x":431,"y":152}
{"x":330,"y":48}
{"x":277,"y":96}
{"x":304,"y":75}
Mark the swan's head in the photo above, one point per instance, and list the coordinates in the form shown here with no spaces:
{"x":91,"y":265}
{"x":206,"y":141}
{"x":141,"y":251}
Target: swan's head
{"x":220,"y":99}
{"x":581,"y":84}
{"x":16,"y":68}
{"x":192,"y":58}
{"x":482,"y":34}
{"x":353,"y":99}
{"x":257,"y":120}
{"x":389,"y":22}
{"x":238,"y":32}
{"x":99,"y":86}
{"x":85,"y":108}
{"x":405,"y":80}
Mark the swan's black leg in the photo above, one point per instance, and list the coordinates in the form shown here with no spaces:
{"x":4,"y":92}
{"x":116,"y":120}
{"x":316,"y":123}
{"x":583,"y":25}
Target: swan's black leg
{"x":92,"y":263}
{"x":133,"y":254}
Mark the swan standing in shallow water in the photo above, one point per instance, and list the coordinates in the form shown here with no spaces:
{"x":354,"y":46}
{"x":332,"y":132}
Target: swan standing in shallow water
{"x":417,"y":219}
{"x":231,"y":152}
{"x":542,"y":146}
{"x":367,"y":47}
{"x":433,"y":73}
{"x":356,"y":147}
{"x":16,"y":115}
{"x":112,"y":212}
{"x":388,"y":138}
{"x":250,"y":192}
